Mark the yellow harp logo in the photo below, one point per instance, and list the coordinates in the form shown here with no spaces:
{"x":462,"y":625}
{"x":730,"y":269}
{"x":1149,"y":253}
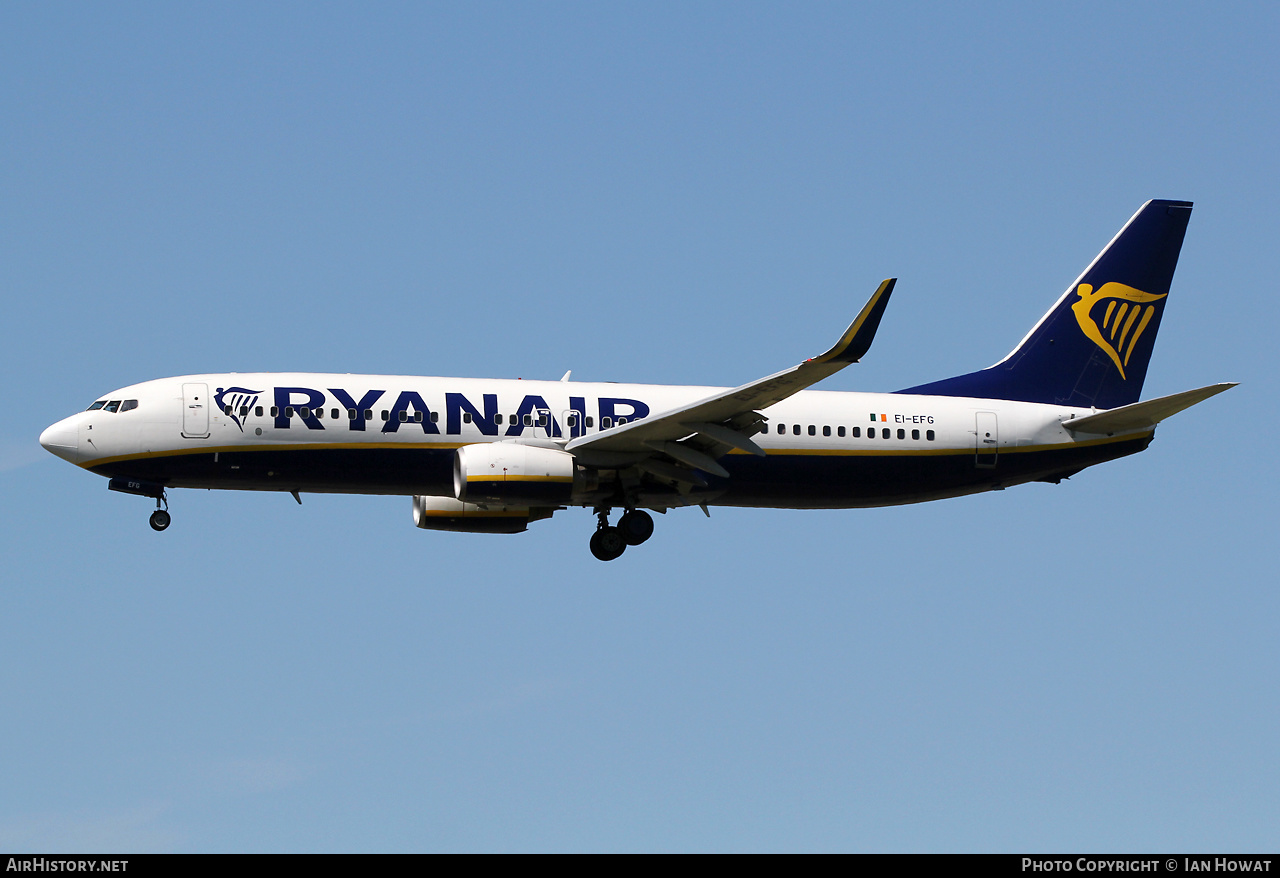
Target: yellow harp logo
{"x":1118,"y":332}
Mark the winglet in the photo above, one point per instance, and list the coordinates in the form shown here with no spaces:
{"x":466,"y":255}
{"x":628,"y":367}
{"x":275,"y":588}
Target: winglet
{"x":856,"y":341}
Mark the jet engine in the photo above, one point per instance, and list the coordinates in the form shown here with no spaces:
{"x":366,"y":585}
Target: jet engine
{"x":446,"y":513}
{"x":516,"y":475}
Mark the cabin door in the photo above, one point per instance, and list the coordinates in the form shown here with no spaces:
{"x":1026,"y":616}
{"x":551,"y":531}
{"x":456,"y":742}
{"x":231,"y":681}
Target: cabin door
{"x":195,"y":411}
{"x":987,"y":440}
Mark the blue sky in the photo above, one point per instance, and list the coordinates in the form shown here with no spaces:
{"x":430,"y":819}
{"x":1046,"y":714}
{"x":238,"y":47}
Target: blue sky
{"x":658,"y":193}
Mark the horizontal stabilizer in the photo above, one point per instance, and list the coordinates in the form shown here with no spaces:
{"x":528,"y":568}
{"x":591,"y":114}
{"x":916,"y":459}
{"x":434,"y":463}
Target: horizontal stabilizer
{"x":1143,"y":415}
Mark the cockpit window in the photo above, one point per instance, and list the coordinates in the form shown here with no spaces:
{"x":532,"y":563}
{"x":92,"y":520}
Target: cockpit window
{"x":128,"y":405}
{"x":112,"y":406}
{"x":97,"y":405}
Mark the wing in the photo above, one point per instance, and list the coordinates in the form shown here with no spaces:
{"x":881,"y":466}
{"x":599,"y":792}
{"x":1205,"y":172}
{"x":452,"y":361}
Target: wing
{"x":696,"y":434}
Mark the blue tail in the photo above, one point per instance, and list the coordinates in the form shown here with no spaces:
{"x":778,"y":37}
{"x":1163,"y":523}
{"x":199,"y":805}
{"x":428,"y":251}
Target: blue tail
{"x":1092,"y":348}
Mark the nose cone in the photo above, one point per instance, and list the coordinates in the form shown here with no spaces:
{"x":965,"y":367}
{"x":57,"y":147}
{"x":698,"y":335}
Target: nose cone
{"x":62,"y":439}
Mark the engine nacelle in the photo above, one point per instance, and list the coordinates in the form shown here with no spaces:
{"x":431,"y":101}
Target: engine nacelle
{"x":515,"y":475}
{"x":445,"y":513}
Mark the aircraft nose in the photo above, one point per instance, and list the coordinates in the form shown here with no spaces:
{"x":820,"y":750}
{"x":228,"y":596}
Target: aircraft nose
{"x":62,"y":439}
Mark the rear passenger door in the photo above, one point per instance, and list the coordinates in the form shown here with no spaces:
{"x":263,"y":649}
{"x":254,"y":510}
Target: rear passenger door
{"x":986,"y":440}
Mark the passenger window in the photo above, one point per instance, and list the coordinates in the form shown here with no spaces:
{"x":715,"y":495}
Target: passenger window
{"x":335,"y":413}
{"x":466,"y":417}
{"x":404,"y":416}
{"x":591,"y":422}
{"x":826,"y":431}
{"x":528,"y":420}
{"x":884,"y":434}
{"x":915,"y":434}
{"x":542,"y":420}
{"x":782,"y":428}
{"x":275,"y":411}
{"x":368,"y":414}
{"x":244,"y":410}
{"x":257,"y":412}
{"x":351,"y":414}
{"x":840,"y":432}
{"x":813,"y":431}
{"x":320,"y":414}
{"x":902,"y":434}
{"x":435,"y":416}
{"x":417,"y":417}
{"x":497,"y":419}
{"x":97,"y":405}
{"x":928,"y":434}
{"x":386,"y":415}
{"x":606,"y":423}
{"x":621,"y":421}
{"x":571,"y":421}
{"x":112,"y":406}
{"x":857,"y":432}
{"x":128,"y":405}
{"x":304,"y":412}
{"x":288,"y":411}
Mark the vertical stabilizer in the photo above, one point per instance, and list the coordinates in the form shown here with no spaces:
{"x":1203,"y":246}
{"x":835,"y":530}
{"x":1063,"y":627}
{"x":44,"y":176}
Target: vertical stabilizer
{"x":1093,"y":347}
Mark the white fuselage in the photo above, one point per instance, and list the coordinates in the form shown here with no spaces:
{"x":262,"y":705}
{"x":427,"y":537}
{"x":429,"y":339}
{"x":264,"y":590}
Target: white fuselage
{"x":397,"y":435}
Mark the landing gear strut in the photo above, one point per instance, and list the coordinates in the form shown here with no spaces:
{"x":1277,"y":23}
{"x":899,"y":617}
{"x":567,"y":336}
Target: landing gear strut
{"x":608,"y":542}
{"x":160,"y":519}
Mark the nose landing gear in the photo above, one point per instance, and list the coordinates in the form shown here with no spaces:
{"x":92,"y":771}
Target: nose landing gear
{"x":160,"y":519}
{"x":609,"y":542}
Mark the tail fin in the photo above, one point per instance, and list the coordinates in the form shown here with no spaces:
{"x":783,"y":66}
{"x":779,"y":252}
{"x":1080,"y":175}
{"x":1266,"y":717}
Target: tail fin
{"x":1092,"y":348}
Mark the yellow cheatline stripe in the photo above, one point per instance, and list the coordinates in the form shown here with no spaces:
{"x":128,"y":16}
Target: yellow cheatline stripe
{"x":504,"y":478}
{"x":450,"y":446}
{"x":309,"y":446}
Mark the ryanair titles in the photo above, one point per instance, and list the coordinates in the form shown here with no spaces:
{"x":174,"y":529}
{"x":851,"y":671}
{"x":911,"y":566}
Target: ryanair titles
{"x":389,"y":412}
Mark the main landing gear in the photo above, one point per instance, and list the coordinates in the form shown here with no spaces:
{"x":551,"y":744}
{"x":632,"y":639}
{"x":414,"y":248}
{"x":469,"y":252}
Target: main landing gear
{"x":633,"y":528}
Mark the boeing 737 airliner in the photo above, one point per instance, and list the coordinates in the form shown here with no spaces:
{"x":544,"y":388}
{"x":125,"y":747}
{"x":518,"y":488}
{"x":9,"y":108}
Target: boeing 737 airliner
{"x":491,"y":456}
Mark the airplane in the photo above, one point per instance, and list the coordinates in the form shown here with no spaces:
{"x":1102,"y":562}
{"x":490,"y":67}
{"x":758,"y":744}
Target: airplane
{"x":492,"y":456}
